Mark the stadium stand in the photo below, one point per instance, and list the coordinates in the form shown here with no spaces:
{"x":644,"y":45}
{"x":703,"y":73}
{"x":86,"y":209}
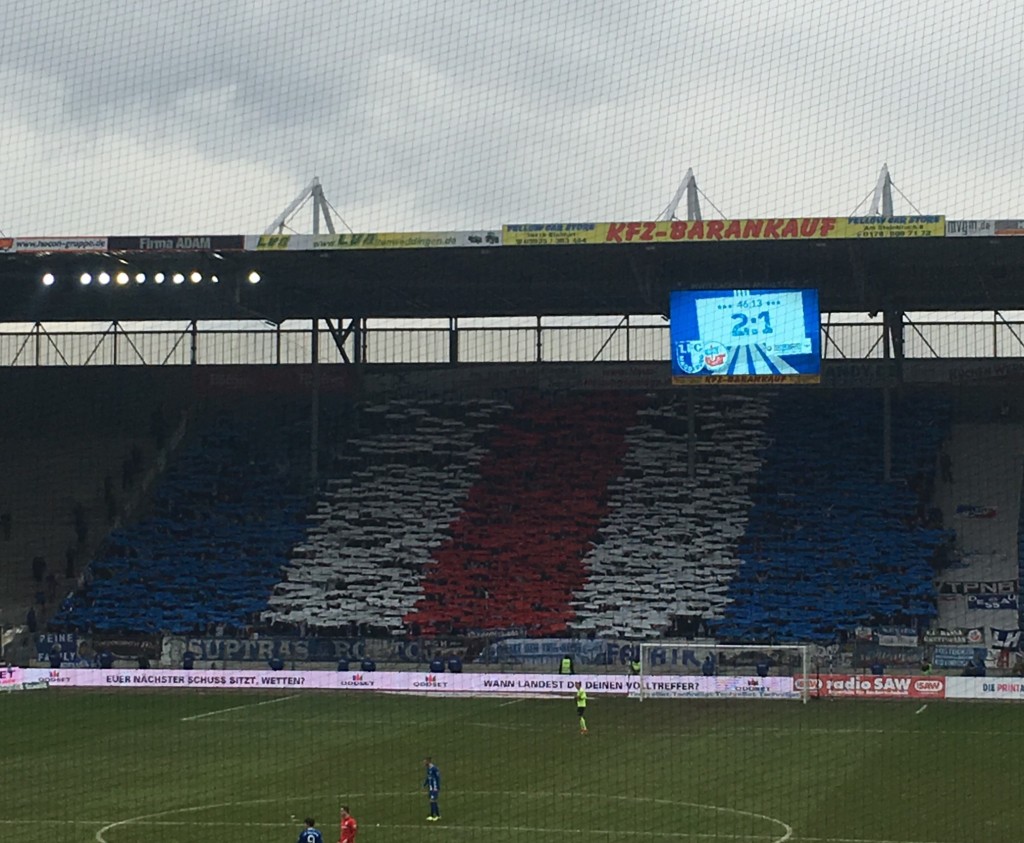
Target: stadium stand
{"x":667,"y":549}
{"x":515,"y":556}
{"x":76,"y":459}
{"x":401,"y":481}
{"x":221,"y":523}
{"x":552,"y":514}
{"x":829,"y":545}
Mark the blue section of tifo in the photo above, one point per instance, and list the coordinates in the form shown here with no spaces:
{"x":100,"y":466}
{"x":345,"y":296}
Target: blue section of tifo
{"x":829,"y":544}
{"x":221,"y":525}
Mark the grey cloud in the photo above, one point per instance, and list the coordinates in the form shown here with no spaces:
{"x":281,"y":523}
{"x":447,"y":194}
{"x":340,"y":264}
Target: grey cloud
{"x":445,"y":114}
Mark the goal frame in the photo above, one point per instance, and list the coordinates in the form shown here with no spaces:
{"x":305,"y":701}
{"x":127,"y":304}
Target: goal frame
{"x":801,"y":676}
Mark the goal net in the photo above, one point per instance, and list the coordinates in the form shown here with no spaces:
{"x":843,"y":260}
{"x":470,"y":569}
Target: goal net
{"x":699,"y":669}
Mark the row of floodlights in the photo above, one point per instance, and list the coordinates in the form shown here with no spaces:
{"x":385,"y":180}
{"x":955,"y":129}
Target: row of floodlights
{"x":123,"y":278}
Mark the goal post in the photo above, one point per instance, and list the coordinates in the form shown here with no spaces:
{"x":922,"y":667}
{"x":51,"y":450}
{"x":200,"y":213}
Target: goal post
{"x":708,"y":669}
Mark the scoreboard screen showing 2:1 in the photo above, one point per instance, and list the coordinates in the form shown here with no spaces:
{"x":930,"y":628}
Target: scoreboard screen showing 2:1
{"x":774,"y":319}
{"x":745,"y":336}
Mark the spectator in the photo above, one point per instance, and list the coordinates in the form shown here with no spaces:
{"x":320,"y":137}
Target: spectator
{"x":51,"y":586}
{"x":158,"y":427}
{"x":109,"y":498}
{"x":143,"y":661}
{"x":763,"y":666}
{"x":877,"y":668}
{"x":565,"y":666}
{"x":276,"y":663}
{"x":105,"y":659}
{"x":81,"y":524}
{"x":30,"y":620}
{"x":188,"y":660}
{"x":56,"y":656}
{"x":946,"y":467}
{"x":708,"y":668}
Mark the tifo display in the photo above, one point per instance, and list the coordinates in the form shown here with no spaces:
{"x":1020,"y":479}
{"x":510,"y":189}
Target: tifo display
{"x":745,"y":336}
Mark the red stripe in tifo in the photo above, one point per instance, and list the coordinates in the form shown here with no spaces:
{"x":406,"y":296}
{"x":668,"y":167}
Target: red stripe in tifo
{"x":514,"y":557}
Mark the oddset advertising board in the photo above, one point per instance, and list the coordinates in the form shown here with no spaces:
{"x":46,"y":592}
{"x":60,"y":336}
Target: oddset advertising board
{"x":411,"y":682}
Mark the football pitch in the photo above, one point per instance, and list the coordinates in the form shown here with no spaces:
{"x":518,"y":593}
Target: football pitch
{"x":210,"y":767}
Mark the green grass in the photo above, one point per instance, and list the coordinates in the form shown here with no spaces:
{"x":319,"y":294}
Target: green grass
{"x":75,"y":763}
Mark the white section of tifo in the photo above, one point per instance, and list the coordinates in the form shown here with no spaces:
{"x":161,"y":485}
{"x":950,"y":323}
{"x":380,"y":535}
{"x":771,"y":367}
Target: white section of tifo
{"x":668,"y":546}
{"x":373,"y":530}
{"x":986,"y":462}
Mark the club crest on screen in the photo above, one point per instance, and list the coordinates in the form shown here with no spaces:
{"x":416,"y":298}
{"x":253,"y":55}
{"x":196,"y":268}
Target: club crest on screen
{"x":690,"y":356}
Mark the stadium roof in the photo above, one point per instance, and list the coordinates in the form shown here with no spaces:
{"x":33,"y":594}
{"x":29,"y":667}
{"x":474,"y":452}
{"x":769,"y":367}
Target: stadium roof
{"x":857,"y":264}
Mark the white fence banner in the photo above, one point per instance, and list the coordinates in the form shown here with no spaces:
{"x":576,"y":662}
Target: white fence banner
{"x":409,"y":682}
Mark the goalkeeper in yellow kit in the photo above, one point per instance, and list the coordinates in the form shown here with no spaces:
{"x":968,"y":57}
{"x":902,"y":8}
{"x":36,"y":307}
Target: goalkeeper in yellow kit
{"x":581,"y":707}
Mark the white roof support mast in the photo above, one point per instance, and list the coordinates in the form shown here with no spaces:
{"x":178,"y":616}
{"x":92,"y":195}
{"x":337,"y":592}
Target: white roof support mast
{"x":881,"y":199}
{"x":688,"y":188}
{"x":321,"y":208}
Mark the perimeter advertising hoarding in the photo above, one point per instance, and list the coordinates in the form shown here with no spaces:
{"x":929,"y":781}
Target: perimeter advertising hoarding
{"x":875,"y":687}
{"x":411,"y":682}
{"x":745,"y":336}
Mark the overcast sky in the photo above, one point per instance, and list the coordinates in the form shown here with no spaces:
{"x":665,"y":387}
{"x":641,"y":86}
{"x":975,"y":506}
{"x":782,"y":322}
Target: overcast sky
{"x":167,"y":116}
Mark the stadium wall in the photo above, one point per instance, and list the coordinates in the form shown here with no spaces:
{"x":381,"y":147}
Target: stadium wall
{"x":389,"y":380}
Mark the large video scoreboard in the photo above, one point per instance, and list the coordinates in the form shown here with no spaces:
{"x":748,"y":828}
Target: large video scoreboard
{"x":745,"y":336}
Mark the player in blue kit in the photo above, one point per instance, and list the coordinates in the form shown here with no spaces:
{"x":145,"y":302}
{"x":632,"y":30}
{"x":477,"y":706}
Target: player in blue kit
{"x":433,"y":785}
{"x":310,"y":834}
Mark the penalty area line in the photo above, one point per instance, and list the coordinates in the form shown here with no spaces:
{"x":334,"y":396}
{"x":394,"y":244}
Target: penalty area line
{"x":237,"y":708}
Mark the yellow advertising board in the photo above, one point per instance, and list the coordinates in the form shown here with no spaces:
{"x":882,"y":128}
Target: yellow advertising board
{"x":714,"y":231}
{"x":893,"y":227}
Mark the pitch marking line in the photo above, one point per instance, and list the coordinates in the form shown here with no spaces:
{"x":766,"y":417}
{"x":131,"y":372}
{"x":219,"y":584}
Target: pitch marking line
{"x":443,"y":827}
{"x":922,"y":708}
{"x":512,"y":702}
{"x":144,"y":819}
{"x":237,"y":708}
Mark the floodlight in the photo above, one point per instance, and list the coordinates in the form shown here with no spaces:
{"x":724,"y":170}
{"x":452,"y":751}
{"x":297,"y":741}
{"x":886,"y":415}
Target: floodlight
{"x":178,"y":278}
{"x":159,"y":278}
{"x":48,"y":279}
{"x":214,"y":279}
{"x":103,"y":278}
{"x":195,"y":277}
{"x":140,"y":278}
{"x":121,"y":278}
{"x":254,"y":277}
{"x":85,"y":279}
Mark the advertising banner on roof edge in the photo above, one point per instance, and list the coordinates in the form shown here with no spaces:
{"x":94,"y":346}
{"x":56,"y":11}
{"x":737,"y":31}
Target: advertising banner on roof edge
{"x":59,"y":244}
{"x":178,"y":243}
{"x":984,"y":228}
{"x":707,"y":231}
{"x":372,"y":240}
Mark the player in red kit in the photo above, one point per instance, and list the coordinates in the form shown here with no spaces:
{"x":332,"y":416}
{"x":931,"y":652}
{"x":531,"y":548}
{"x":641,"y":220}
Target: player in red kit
{"x":348,"y":826}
